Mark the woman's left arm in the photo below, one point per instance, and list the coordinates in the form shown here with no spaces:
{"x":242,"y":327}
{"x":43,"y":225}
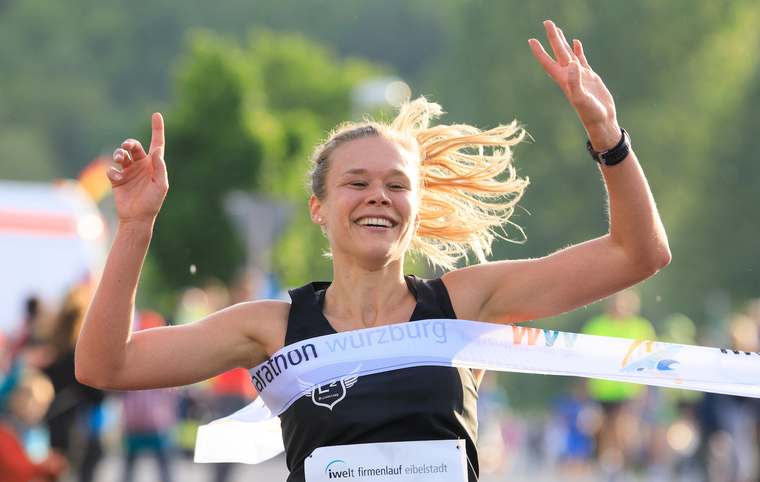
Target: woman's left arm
{"x":635,"y":248}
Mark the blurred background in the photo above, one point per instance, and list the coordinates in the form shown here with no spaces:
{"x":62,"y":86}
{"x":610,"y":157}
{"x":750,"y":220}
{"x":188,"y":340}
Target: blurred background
{"x":248,"y":88}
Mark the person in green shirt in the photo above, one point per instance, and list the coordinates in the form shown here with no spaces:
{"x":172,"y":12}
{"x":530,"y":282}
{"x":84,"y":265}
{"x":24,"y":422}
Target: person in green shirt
{"x":618,"y":437}
{"x":620,"y":320}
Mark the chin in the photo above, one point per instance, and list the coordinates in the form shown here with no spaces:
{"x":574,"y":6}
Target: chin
{"x":381,"y":259}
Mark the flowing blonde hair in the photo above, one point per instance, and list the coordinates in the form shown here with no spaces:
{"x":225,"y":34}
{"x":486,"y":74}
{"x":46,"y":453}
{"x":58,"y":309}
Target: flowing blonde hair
{"x":468,"y":187}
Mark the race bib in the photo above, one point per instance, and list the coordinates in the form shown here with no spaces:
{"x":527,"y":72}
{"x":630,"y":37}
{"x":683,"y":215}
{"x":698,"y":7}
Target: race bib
{"x":428,"y":461}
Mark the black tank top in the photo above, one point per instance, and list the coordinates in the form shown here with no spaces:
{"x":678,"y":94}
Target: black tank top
{"x":421,"y":403}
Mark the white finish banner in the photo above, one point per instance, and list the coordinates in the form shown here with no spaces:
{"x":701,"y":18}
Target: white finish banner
{"x":326,"y":367}
{"x":428,"y":461}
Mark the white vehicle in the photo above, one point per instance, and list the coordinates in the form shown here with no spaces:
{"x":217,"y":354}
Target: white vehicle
{"x":52,"y":237}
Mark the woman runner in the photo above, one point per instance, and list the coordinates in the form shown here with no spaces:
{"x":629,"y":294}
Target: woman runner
{"x":379,"y":191}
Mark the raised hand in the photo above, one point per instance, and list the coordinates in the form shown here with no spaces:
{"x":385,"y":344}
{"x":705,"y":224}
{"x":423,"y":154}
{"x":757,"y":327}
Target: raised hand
{"x":584,"y":88}
{"x":140,"y":187}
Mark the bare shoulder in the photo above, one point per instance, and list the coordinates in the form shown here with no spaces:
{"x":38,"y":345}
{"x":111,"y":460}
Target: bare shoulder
{"x":471,"y":288}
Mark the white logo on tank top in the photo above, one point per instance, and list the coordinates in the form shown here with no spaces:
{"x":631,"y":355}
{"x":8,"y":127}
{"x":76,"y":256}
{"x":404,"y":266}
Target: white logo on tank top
{"x":330,"y":393}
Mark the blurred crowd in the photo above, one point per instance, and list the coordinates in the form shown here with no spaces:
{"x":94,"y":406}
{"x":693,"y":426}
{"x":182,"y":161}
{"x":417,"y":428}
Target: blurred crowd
{"x":53,"y":428}
{"x":610,"y":431}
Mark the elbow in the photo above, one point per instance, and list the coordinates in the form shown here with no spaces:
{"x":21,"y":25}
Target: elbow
{"x":665,"y":257}
{"x":90,"y":380}
{"x":84,"y":376}
{"x":87,"y":376}
{"x":661,"y":254}
{"x":656,"y":260}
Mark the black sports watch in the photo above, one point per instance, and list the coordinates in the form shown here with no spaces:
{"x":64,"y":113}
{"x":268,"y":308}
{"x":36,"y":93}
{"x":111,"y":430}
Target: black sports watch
{"x":614,"y":155}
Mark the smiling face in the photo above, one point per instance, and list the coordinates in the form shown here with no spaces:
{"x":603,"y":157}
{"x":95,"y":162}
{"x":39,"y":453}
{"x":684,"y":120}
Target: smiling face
{"x":369,"y":211}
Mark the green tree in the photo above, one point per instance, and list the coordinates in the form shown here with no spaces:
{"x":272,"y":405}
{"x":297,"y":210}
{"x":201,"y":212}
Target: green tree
{"x":306,"y":93}
{"x":209,"y":152}
{"x":246,"y":118}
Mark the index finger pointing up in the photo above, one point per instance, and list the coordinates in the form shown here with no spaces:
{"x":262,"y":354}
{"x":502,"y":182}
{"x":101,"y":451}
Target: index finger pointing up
{"x":157,"y":138}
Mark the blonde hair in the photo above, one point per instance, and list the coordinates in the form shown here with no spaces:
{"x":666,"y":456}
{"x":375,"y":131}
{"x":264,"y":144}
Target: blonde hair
{"x":468,"y":187}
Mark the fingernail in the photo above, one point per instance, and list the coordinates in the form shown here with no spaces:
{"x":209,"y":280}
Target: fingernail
{"x":113,"y":174}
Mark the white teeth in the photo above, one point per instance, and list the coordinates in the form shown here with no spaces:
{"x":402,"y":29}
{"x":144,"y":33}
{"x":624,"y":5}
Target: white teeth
{"x":375,"y":222}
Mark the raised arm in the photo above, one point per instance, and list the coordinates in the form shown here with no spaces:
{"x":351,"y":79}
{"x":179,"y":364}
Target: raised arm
{"x":108,"y":354}
{"x":635,"y":248}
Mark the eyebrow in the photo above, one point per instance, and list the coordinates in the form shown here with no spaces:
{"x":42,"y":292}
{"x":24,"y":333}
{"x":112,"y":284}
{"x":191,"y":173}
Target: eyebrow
{"x":393,"y":172}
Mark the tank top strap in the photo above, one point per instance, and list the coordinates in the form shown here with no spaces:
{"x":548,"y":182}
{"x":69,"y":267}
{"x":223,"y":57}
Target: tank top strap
{"x":432,"y":299}
{"x":305,"y":319}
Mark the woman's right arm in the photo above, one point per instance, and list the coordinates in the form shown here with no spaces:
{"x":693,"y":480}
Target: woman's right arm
{"x":108,"y":354}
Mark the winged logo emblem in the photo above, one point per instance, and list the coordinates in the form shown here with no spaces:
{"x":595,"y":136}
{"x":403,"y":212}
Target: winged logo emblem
{"x":330,"y":393}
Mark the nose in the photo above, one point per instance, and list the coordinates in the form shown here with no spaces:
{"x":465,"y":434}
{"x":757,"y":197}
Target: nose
{"x":377,"y":196}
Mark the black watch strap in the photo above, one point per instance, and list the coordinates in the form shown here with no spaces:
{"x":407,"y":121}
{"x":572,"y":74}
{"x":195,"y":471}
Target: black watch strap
{"x":615,"y":155}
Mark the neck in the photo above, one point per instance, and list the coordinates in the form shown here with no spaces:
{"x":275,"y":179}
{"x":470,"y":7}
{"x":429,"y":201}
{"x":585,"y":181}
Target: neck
{"x":361,"y":298}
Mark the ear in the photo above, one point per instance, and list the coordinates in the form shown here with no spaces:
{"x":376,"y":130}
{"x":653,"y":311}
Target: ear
{"x":316,"y":211}
{"x":416,"y":221}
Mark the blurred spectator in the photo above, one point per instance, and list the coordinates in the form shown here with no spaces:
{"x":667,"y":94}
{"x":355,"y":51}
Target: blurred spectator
{"x":217,"y":294}
{"x":679,"y":329}
{"x":619,"y":440}
{"x":11,"y":362}
{"x":194,"y":305}
{"x":75,"y":405}
{"x":569,"y":437}
{"x":730,"y":423}
{"x":232,"y":390}
{"x":24,"y":454}
{"x":10,"y":371}
{"x":149,"y":417}
{"x":676,"y":435}
{"x":194,"y":411}
{"x":32,"y":314}
{"x":493,"y":410}
{"x":753,"y":312}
